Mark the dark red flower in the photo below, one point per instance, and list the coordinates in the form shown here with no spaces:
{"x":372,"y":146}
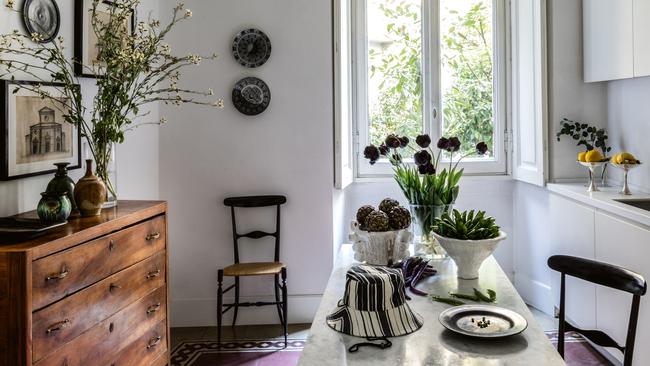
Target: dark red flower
{"x":454,"y":144}
{"x":423,"y":141}
{"x":422,"y":157}
{"x":443,"y":143}
{"x":427,"y":169}
{"x":383,"y":149}
{"x":481,"y":148}
{"x":393,"y":141}
{"x":404,"y":141}
{"x":371,"y":152}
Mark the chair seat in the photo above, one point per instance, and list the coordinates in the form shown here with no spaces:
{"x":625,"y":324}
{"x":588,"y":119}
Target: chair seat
{"x":253,"y":269}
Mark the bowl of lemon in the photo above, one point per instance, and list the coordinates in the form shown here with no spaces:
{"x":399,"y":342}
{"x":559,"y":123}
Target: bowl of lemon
{"x":592,"y":159}
{"x":626,"y":162}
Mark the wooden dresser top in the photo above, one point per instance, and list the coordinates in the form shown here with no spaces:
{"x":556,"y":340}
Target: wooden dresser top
{"x":79,"y":230}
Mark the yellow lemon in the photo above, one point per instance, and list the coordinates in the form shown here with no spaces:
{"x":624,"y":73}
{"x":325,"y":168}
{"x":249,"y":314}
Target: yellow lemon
{"x":594,"y":156}
{"x":626,"y":158}
{"x":616,"y":158}
{"x":582,"y":156}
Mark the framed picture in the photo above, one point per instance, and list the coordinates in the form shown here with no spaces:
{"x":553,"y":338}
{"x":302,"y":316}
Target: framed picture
{"x":85,"y":39}
{"x":34,"y":133}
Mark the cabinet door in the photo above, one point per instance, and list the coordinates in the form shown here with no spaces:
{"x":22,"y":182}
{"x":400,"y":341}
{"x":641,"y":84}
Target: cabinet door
{"x":641,"y":38}
{"x":627,"y":245}
{"x":608,"y":40}
{"x":572,"y":233}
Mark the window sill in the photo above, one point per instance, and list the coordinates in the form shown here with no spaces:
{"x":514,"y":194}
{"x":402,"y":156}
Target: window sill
{"x":466,"y":178}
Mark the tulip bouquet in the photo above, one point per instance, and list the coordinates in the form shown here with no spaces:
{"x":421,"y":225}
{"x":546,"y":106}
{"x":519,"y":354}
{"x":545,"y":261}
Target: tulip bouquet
{"x":430,"y":188}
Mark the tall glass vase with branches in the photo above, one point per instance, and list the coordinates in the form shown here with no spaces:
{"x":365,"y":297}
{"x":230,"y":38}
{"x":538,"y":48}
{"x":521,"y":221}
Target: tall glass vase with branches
{"x":135,"y":68}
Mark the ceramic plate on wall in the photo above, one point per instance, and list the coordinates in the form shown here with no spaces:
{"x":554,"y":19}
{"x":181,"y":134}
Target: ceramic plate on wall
{"x":251,"y":48}
{"x":251,"y":96}
{"x":42,"y":17}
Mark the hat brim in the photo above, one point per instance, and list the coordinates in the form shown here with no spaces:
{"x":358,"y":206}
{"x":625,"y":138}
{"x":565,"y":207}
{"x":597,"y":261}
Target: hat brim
{"x":394,"y":322}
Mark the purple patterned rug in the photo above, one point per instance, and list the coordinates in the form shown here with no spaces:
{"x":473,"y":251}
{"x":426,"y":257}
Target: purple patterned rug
{"x":238,"y":353}
{"x":578,"y":352}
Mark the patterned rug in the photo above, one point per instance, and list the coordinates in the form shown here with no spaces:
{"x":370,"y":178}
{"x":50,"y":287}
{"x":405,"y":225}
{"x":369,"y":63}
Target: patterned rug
{"x":578,"y":352}
{"x":238,"y":353}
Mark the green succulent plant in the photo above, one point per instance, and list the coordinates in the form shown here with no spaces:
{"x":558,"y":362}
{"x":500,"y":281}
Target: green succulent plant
{"x":468,"y":225}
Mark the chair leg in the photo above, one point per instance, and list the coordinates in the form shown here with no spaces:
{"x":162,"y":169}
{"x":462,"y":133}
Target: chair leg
{"x":234,"y":317}
{"x":285,"y":316}
{"x":276,"y":287}
{"x":561,"y":320}
{"x":219,"y":305}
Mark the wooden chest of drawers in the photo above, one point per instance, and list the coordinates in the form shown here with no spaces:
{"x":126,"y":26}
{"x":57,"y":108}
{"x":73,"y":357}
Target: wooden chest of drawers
{"x":92,"y":292}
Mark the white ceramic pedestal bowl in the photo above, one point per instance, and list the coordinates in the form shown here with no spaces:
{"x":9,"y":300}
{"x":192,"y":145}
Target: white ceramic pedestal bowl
{"x":380,"y":248}
{"x":469,"y":254}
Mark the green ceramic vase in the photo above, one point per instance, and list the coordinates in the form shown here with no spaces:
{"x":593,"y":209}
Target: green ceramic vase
{"x":62,"y":183}
{"x":54,"y":207}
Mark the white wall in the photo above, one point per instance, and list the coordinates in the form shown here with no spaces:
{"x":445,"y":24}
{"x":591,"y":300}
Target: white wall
{"x":493,"y":195}
{"x":137,"y":159}
{"x":629,"y":126}
{"x":207,"y":154}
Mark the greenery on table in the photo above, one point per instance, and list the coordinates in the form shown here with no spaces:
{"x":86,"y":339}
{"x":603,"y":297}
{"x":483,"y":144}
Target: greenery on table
{"x":468,"y":225}
{"x":135,"y":70}
{"x":466,"y":52}
{"x":588,"y":136}
{"x":477,"y":296}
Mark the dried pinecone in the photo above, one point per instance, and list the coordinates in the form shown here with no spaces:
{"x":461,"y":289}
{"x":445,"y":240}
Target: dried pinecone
{"x":362,"y":213}
{"x":377,"y":221}
{"x":399,"y":218}
{"x":387,"y":204}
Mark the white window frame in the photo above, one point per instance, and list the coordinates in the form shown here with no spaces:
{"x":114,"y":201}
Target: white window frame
{"x":431,"y":90}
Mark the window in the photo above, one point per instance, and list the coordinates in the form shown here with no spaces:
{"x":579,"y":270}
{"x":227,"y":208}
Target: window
{"x":430,"y":66}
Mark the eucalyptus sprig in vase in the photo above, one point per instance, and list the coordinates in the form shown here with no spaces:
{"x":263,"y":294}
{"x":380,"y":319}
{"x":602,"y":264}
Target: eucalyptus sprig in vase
{"x":135,"y":68}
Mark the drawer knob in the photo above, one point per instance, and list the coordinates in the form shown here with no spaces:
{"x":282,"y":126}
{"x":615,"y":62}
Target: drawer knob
{"x":111,"y":245}
{"x":153,"y":308}
{"x":153,"y":342}
{"x":113,"y":287}
{"x":153,"y":274}
{"x":57,"y":326}
{"x":58,"y":276}
{"x":153,"y":236}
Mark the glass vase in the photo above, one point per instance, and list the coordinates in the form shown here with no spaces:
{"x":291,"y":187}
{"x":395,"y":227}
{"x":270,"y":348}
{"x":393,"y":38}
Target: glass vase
{"x":106,"y":169}
{"x":423,"y":218}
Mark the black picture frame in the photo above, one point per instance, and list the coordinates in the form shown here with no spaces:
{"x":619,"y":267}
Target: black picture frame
{"x":81,"y":8}
{"x":30,"y":27}
{"x":6,"y":92}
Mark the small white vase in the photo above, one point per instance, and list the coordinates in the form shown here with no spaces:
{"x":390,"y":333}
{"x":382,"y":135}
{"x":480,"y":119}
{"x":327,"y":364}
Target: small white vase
{"x":380,"y":248}
{"x":469,"y":254}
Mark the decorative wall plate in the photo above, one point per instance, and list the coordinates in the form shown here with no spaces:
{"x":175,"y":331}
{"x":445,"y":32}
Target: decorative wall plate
{"x":42,"y":17}
{"x":251,"y":96}
{"x":251,"y":48}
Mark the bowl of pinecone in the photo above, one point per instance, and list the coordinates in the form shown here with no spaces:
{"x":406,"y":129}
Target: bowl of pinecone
{"x":381,"y":236}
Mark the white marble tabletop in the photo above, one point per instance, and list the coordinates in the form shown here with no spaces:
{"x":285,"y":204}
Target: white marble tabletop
{"x":432,"y":344}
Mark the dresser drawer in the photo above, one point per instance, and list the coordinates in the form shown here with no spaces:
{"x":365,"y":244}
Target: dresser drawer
{"x":64,"y":273}
{"x":146,"y":349}
{"x":105,"y":341}
{"x":59,"y":323}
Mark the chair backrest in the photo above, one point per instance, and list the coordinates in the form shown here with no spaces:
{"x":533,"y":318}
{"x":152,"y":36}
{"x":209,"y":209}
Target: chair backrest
{"x":253,"y":202}
{"x":603,"y":274}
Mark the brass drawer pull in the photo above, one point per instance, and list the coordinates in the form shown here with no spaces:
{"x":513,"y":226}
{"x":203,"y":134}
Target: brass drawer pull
{"x":153,"y":236}
{"x":153,"y":274}
{"x":58,"y":276}
{"x":153,"y":308}
{"x":57,"y":327}
{"x":153,"y":342}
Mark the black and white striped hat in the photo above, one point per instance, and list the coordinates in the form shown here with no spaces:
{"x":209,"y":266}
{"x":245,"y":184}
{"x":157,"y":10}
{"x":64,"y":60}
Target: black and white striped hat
{"x":374,"y":304}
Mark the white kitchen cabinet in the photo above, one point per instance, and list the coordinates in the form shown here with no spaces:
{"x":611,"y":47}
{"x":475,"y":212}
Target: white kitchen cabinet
{"x":627,"y":245}
{"x":641,"y":38}
{"x":572,"y":233}
{"x":608,"y":39}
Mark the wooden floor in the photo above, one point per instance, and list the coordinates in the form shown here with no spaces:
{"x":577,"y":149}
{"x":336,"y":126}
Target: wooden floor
{"x":239,"y":332}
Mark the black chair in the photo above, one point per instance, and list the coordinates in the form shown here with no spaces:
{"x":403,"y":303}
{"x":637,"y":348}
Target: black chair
{"x":236,"y":270}
{"x":605,"y":275}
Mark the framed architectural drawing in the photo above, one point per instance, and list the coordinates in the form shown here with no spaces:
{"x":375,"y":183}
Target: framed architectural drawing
{"x":34,"y":133}
{"x":86,"y":51}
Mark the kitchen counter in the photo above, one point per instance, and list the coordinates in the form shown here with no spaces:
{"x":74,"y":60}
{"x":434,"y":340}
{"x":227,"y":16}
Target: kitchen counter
{"x":605,"y":200}
{"x":432,"y":344}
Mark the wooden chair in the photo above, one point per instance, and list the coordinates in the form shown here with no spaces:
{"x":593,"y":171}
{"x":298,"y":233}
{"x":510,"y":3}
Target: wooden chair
{"x":236,"y":270}
{"x":605,"y":275}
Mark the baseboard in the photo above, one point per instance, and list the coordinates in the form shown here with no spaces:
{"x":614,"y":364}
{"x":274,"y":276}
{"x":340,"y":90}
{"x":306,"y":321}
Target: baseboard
{"x":203,"y":312}
{"x":535,"y":293}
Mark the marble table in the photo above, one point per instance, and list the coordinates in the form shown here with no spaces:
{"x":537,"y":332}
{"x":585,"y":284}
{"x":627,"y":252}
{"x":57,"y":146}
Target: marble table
{"x":432,"y":344}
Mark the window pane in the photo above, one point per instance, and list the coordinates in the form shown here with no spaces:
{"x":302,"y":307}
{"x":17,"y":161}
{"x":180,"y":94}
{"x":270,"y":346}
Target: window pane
{"x":466,"y":72}
{"x":394,"y":62}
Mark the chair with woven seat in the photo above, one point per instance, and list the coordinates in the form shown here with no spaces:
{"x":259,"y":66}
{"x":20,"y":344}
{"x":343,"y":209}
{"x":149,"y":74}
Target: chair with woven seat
{"x":238,"y":269}
{"x":605,"y":275}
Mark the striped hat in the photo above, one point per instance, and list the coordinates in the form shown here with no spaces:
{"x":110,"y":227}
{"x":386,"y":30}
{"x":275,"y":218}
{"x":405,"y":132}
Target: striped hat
{"x":374,"y":304}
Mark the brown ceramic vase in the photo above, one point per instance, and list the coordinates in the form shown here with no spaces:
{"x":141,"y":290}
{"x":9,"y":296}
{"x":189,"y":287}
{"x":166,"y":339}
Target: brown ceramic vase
{"x":90,"y":193}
